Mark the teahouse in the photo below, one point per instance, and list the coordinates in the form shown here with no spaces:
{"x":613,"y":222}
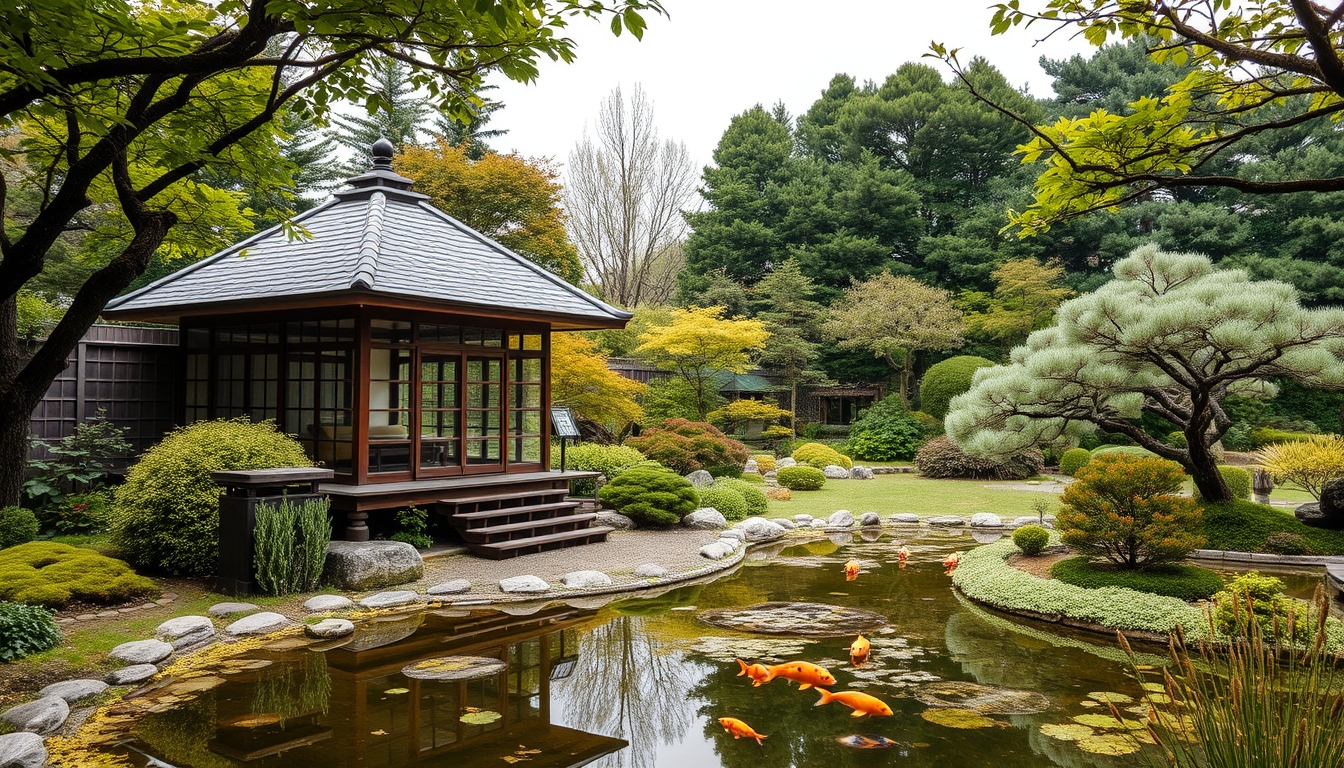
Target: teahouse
{"x":406,"y":351}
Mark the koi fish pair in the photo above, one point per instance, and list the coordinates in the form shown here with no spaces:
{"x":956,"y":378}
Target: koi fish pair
{"x":807,"y":675}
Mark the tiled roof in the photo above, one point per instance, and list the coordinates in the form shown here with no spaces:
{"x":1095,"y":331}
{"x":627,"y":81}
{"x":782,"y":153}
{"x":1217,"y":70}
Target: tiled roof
{"x":377,"y":237}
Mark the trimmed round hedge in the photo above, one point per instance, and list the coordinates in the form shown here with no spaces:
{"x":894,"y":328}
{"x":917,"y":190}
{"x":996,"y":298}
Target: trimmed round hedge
{"x":1073,"y":460}
{"x":610,"y":460}
{"x":166,"y":515}
{"x":650,"y":495}
{"x":820,"y":456}
{"x":800,"y":477}
{"x":1031,"y":539}
{"x":17,"y":526}
{"x":51,"y":574}
{"x":944,"y":381}
{"x":728,"y":501}
{"x":752,"y":493}
{"x":1187,"y":582}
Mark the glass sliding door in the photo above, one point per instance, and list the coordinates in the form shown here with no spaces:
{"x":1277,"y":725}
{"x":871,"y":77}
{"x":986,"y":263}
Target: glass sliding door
{"x":525,"y":416}
{"x":390,"y":372}
{"x":484,"y":413}
{"x":440,"y":413}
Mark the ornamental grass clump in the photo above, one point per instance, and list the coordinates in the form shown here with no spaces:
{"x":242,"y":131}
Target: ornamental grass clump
{"x":1267,"y":702}
{"x":1124,"y":508}
{"x":650,"y":495}
{"x":291,"y":545}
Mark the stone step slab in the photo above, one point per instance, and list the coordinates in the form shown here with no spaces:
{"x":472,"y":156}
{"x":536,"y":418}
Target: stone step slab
{"x":43,"y":716}
{"x":74,"y":690}
{"x":141,"y":652}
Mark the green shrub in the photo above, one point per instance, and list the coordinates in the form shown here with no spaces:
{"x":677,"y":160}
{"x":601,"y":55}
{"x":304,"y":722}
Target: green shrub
{"x":78,"y":514}
{"x":1031,"y":539}
{"x":79,"y":461}
{"x":46,"y":573}
{"x":1125,"y":450}
{"x":1286,"y":544}
{"x":413,"y":527}
{"x":1125,"y":508}
{"x":820,"y":456}
{"x":941,"y":458}
{"x":1243,"y":526}
{"x":1073,"y":460}
{"x":291,"y":545}
{"x":25,"y":630}
{"x":652,"y":496}
{"x":1238,"y":437}
{"x":757,"y":502}
{"x":887,"y":431}
{"x":1262,"y":436}
{"x":800,"y":477}
{"x":1238,"y":482}
{"x":764,"y":462}
{"x":592,"y":457}
{"x":944,"y":381}
{"x":166,"y":514}
{"x":685,"y":446}
{"x":1266,"y":599}
{"x":728,"y":501}
{"x":17,"y":526}
{"x":1187,"y":582}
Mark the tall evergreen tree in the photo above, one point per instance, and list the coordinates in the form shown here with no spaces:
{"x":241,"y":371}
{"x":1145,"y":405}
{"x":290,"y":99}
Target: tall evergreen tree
{"x":397,"y":112}
{"x":783,"y":300}
{"x":470,"y":132}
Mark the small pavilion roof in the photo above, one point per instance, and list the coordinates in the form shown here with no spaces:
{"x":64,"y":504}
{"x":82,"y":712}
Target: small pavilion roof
{"x":375,"y":242}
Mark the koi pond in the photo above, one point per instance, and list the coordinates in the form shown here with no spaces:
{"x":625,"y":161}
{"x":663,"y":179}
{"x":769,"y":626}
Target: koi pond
{"x":642,"y":682}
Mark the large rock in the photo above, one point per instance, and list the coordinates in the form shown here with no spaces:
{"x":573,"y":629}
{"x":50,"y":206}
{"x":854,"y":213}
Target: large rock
{"x":1311,"y":514}
{"x":324,"y":603}
{"x":835,"y":472}
{"x":185,"y":631}
{"x":394,"y":599}
{"x":523,"y":585}
{"x":736,"y":534}
{"x":986,"y":520}
{"x":945,"y":521}
{"x":220,"y":610}
{"x":700,"y":479}
{"x":860,"y":473}
{"x":784,"y":523}
{"x":1332,"y":498}
{"x":359,"y":566}
{"x":614,"y":519}
{"x":46,"y":715}
{"x":904,"y":517}
{"x":841,"y":518}
{"x":650,"y":571}
{"x":585,"y":580}
{"x":141,"y":652}
{"x":74,"y":690}
{"x":802,"y":519}
{"x":870,"y":518}
{"x":751,"y":467}
{"x":329,"y":629}
{"x":717,"y":550}
{"x":705,"y":519}
{"x":262,"y":623}
{"x":136,"y":673}
{"x":454,"y":587}
{"x":760,"y":529}
{"x":22,"y":750}
{"x":787,"y":461}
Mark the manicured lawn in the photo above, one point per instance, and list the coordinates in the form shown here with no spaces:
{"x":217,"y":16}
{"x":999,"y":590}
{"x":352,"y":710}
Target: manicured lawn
{"x":889,"y":494}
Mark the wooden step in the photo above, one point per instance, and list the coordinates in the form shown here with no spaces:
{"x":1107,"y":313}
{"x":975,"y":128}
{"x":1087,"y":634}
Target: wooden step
{"x":463,"y":520}
{"x":504,"y":497}
{"x":533,"y":544}
{"x":498,"y":533}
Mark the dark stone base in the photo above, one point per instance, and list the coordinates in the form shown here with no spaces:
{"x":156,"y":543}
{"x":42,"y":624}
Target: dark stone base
{"x":1311,"y":514}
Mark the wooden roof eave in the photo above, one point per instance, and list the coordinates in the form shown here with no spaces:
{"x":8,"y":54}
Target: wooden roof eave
{"x":361,"y":297}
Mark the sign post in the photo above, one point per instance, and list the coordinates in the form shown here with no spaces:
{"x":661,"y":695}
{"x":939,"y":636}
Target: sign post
{"x":562,"y":421}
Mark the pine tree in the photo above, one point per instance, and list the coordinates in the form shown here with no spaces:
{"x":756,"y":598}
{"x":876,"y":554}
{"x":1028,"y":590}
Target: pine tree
{"x":470,"y":132}
{"x":783,"y":301}
{"x":399,"y":117}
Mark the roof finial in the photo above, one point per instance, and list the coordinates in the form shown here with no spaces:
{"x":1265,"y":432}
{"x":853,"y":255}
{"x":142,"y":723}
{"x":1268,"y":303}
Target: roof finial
{"x":382,"y":151}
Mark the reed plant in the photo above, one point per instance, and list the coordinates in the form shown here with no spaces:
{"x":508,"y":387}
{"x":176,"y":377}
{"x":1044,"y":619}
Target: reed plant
{"x":291,"y":545}
{"x":1257,"y":700}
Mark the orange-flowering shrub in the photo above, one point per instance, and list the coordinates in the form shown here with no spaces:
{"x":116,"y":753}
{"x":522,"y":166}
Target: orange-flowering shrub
{"x":1124,"y":508}
{"x":685,"y":446}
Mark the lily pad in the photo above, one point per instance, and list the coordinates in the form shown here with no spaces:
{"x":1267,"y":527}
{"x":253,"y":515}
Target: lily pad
{"x":1155,"y":687}
{"x":453,"y":668}
{"x":1108,"y":722}
{"x":760,"y":649}
{"x":1066,"y":731}
{"x":965,"y":719}
{"x":396,"y":691}
{"x":982,"y":699}
{"x":484,"y":717}
{"x":796,"y":619}
{"x":1160,"y":699}
{"x":1110,"y":696}
{"x":1111,"y":743}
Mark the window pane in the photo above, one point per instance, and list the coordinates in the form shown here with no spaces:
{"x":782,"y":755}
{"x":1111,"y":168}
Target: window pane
{"x":390,"y":330}
{"x":532,"y":341}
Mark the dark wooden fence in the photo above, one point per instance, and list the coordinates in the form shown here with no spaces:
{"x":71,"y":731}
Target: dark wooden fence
{"x":127,"y":374}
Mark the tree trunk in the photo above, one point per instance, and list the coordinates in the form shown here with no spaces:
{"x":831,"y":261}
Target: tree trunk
{"x":905,"y":381}
{"x":1204,"y":469}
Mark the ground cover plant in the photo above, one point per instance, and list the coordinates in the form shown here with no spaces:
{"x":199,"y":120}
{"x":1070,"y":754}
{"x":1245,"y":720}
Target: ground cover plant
{"x":166,"y":515}
{"x":684,"y":446}
{"x":941,"y":458}
{"x":51,"y":574}
{"x":25,"y":630}
{"x":800,"y":477}
{"x":1243,"y":526}
{"x":1187,"y":582}
{"x":650,"y":495}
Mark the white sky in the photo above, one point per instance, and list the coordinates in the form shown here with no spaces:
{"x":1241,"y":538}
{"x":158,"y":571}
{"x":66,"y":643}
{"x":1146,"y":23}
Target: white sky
{"x":713,"y":59}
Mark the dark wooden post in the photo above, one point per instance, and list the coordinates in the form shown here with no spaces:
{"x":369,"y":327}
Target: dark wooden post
{"x":244,"y":491}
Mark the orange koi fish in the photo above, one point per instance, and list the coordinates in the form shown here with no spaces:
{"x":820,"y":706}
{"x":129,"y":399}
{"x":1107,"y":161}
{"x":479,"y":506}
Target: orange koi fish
{"x":952,"y":561}
{"x":861,"y":703}
{"x":902,"y":554}
{"x":740,"y":729}
{"x":757,"y":672}
{"x":859,"y":650}
{"x":806,"y":674}
{"x":851,"y":570}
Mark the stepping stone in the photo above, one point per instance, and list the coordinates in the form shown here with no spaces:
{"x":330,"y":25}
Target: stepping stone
{"x":903,"y":517}
{"x":328,"y":629}
{"x":733,"y":533}
{"x":585,"y":580}
{"x":523,"y":584}
{"x":185,"y":631}
{"x":650,"y":571}
{"x":230,"y":609}
{"x":74,"y":690}
{"x":986,"y":520}
{"x":141,"y":652}
{"x":718,"y":550}
{"x":22,"y":750}
{"x":257,"y":624}
{"x":870,"y":518}
{"x":946,"y":521}
{"x":324,"y":603}
{"x":131,"y":675}
{"x":842,"y":518}
{"x":454,"y":587}
{"x":454,"y":668}
{"x":46,"y":715}
{"x":390,"y":599}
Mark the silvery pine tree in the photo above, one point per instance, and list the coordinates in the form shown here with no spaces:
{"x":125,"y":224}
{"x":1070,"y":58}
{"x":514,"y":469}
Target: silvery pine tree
{"x":1169,"y":335}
